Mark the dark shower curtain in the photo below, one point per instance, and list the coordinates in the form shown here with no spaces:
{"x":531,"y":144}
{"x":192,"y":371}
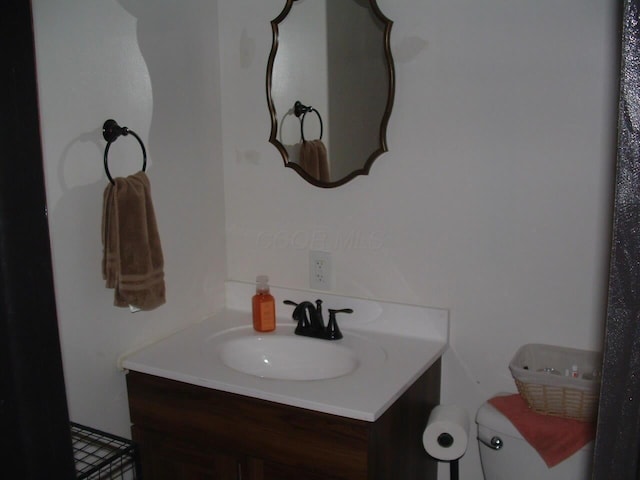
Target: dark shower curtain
{"x":35,"y":439}
{"x":617,"y":439}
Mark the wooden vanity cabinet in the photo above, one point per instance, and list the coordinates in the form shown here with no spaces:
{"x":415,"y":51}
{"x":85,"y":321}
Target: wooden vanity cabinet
{"x":187,"y":432}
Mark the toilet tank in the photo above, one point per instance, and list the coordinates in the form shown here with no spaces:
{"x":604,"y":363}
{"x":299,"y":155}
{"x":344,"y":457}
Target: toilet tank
{"x":516,"y":459}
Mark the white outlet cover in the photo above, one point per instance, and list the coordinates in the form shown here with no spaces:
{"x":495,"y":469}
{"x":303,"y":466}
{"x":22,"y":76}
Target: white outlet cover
{"x":320,"y":270}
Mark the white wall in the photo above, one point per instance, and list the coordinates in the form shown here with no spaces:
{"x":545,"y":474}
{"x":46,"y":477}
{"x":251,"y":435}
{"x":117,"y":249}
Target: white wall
{"x":493,"y":201}
{"x":152,"y":66}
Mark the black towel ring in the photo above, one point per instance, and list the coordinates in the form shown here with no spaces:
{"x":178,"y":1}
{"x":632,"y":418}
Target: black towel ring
{"x":301,"y":111}
{"x":111,"y":131}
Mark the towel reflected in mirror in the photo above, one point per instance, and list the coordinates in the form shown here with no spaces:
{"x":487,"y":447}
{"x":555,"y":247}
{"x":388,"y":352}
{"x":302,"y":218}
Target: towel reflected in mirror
{"x":314,"y":160}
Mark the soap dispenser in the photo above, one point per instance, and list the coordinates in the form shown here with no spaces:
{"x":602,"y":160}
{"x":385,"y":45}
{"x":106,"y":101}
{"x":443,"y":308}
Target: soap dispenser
{"x":263,"y":306}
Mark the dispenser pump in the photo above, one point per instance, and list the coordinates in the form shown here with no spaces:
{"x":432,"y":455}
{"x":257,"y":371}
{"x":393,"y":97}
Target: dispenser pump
{"x":262,"y":284}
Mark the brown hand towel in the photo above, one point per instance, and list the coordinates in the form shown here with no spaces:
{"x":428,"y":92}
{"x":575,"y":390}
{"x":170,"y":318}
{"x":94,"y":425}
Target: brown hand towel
{"x":132,"y":260}
{"x":314,"y":160}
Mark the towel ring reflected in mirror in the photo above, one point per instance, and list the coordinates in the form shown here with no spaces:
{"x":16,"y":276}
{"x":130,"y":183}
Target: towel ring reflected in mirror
{"x":301,"y":111}
{"x":111,"y":131}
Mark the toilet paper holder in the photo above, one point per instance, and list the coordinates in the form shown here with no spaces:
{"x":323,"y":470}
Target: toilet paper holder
{"x":446,"y":435}
{"x":445,"y":440}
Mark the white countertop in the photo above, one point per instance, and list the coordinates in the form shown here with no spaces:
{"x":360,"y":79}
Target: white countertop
{"x":409,"y":340}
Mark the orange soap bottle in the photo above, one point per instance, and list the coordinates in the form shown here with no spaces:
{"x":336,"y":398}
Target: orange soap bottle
{"x":263,"y":306}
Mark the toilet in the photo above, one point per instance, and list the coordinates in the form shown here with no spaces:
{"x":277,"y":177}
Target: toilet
{"x":505,"y":455}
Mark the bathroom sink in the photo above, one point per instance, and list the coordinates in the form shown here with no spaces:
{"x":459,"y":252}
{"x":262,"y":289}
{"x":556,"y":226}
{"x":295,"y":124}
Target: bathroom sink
{"x":385,"y":348}
{"x":288,"y":357}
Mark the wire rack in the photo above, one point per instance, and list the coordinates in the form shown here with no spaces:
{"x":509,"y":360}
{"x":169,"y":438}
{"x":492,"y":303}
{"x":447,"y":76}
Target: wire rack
{"x":100,"y":455}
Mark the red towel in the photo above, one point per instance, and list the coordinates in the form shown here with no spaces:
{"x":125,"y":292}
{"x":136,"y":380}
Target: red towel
{"x":554,"y":438}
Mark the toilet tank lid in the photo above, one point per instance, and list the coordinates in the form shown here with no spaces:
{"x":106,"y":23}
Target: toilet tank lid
{"x":488,"y":416}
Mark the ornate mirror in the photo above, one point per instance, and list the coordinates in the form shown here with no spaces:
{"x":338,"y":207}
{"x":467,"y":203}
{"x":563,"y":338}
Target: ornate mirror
{"x":330,"y":88}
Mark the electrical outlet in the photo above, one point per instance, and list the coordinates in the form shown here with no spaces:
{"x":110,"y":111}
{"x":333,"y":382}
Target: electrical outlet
{"x":319,"y":270}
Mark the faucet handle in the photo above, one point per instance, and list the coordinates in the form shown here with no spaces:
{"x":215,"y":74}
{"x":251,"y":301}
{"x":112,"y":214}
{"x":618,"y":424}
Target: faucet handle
{"x":296,"y":315}
{"x":319,"y":320}
{"x":333,"y":331}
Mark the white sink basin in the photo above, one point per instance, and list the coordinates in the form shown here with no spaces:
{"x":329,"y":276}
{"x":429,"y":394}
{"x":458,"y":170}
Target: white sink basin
{"x":288,"y":357}
{"x":282,"y":355}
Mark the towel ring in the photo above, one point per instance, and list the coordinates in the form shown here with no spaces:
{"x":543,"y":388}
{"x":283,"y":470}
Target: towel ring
{"x":111,"y":131}
{"x":301,"y":111}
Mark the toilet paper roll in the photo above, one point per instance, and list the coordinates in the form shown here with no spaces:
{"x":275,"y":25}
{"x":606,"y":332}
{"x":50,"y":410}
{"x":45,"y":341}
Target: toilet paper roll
{"x":447,"y":433}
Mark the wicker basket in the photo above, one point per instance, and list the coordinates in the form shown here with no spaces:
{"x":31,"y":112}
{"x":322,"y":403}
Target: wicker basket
{"x":543,"y":376}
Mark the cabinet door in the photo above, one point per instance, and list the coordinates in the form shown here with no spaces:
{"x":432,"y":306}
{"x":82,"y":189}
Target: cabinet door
{"x":275,"y":471}
{"x":164,"y":458}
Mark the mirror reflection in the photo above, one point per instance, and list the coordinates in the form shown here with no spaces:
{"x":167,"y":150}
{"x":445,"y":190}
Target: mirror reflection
{"x":330,"y":86}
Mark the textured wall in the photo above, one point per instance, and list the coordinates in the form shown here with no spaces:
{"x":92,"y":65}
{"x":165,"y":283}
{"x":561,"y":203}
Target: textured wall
{"x":154,"y":68}
{"x":493,"y":201}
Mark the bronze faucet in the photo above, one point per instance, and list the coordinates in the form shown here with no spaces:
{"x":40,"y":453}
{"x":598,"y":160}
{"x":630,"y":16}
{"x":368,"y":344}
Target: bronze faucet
{"x":310,"y":321}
